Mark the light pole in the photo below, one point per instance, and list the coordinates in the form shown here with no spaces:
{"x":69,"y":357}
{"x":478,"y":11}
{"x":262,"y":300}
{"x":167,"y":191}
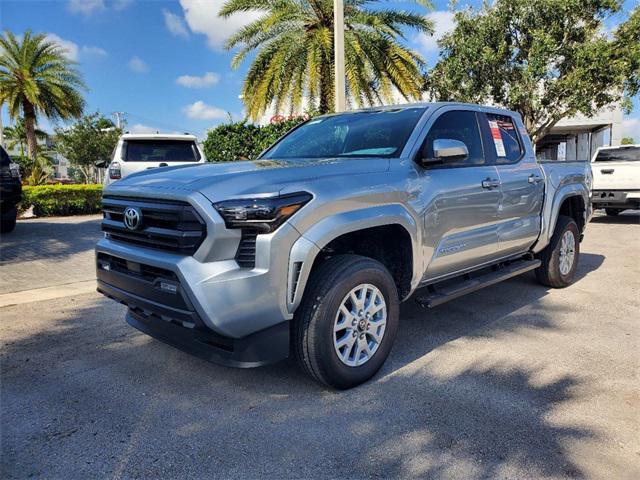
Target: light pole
{"x":338,"y":49}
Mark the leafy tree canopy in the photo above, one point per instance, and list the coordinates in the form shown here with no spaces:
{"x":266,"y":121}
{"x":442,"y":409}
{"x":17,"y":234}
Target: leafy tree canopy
{"x":546,"y":59}
{"x":88,"y":141}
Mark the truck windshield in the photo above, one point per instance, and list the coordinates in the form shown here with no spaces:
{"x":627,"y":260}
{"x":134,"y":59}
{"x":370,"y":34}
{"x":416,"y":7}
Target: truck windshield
{"x":622,"y":154}
{"x":153,"y":150}
{"x":374,"y":133}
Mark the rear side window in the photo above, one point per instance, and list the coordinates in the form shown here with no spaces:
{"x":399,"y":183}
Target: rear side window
{"x":457,"y":125}
{"x":622,"y":154}
{"x":504,"y":139}
{"x":159,"y":151}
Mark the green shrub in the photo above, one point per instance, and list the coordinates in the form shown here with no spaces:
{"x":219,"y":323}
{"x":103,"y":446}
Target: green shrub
{"x":237,"y":141}
{"x":61,"y":200}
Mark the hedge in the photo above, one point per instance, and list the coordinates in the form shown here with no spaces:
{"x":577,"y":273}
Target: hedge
{"x":61,"y":200}
{"x":235,"y":141}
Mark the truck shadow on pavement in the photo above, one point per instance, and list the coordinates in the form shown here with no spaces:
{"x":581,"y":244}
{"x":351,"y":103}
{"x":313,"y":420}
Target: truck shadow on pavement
{"x":89,"y":395}
{"x":42,"y":239}
{"x":625,"y":218}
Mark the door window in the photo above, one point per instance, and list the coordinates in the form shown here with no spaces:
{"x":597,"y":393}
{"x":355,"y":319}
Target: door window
{"x":504,"y":139}
{"x":457,"y":125}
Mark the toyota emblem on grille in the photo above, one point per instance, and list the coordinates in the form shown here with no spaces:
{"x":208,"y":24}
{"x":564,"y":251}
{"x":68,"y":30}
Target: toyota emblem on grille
{"x":132,"y":218}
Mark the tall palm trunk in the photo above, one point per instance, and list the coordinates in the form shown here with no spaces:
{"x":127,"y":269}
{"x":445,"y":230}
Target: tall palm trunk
{"x":326,"y":85}
{"x":30,"y":130}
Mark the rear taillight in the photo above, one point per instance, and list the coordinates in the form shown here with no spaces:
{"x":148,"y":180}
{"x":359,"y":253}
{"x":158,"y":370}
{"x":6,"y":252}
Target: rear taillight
{"x":114,"y":171}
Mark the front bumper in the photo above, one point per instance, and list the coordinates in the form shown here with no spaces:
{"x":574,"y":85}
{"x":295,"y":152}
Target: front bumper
{"x":172,"y":319}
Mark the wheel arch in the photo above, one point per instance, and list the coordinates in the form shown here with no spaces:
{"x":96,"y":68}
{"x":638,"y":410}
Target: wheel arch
{"x":372,"y":232}
{"x":572,"y":201}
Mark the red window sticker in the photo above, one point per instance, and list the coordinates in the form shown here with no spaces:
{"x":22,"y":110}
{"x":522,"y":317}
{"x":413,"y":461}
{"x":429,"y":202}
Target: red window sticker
{"x":497,"y":138}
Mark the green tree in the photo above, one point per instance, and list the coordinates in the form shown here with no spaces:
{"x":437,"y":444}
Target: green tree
{"x":294,"y":60}
{"x":37,"y":79}
{"x":91,"y":139}
{"x":16,"y":135}
{"x":546,"y":59}
{"x":627,"y":141}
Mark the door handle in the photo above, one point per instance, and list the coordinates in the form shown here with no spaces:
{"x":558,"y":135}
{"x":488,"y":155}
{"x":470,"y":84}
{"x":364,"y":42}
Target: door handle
{"x":490,"y":183}
{"x":607,"y":171}
{"x":534,"y":178}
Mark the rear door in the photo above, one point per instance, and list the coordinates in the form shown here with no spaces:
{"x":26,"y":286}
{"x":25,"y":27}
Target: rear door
{"x":462,"y":199}
{"x":521,"y":183}
{"x":142,"y":154}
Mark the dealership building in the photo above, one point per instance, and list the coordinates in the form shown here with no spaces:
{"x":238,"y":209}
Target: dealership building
{"x":578,"y":137}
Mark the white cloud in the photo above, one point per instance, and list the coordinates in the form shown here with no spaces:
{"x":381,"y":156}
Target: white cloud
{"x":121,"y":4}
{"x":630,"y":127}
{"x":444,"y":22}
{"x":209,"y":79}
{"x":69,"y":48}
{"x":85,"y":7}
{"x":140,"y":128}
{"x":73,"y":51}
{"x":137,"y":65}
{"x":91,"y":51}
{"x":202,"y":17}
{"x":175,"y":24}
{"x":201,"y":111}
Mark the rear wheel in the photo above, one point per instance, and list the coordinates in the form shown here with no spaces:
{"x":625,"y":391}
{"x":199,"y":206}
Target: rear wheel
{"x":347,"y":322}
{"x":613,"y":212}
{"x":8,"y":220}
{"x":560,"y":257}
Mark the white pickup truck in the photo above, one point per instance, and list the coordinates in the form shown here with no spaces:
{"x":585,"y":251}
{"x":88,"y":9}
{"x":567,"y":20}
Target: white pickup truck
{"x":616,"y":178}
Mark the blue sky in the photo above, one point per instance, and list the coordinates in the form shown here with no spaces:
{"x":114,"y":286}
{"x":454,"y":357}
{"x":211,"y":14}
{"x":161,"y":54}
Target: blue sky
{"x":162,"y":62}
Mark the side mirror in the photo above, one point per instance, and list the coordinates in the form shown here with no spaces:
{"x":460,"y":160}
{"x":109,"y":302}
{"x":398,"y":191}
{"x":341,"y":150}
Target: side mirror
{"x":101,"y":163}
{"x":446,"y":150}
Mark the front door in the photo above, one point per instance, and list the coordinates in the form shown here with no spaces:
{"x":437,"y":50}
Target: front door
{"x":461,"y":200}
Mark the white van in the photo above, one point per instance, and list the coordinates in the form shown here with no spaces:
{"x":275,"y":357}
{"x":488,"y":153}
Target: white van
{"x":137,"y":152}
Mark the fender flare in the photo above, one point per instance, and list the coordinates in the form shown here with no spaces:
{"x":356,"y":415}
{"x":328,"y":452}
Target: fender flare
{"x":551,"y":211}
{"x":306,"y":248}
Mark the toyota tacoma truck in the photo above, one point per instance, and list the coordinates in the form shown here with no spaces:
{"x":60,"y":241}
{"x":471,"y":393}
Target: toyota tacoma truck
{"x":616,"y":178}
{"x":309,"y":249}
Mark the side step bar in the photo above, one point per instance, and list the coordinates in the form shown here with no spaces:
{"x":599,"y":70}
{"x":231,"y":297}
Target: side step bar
{"x":438,"y":296}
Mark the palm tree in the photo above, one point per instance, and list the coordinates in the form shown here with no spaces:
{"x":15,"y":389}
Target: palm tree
{"x":36,"y":78}
{"x":17,"y":135}
{"x":294,"y":39}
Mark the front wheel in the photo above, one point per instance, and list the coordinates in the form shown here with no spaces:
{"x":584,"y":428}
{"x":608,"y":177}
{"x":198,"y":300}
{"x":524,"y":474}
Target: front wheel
{"x":347,"y":322}
{"x":560,"y":257}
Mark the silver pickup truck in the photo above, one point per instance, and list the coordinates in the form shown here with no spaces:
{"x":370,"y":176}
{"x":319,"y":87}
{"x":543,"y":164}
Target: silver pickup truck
{"x":309,"y":249}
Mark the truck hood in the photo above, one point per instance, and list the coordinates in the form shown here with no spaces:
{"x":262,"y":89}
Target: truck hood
{"x":219,"y":181}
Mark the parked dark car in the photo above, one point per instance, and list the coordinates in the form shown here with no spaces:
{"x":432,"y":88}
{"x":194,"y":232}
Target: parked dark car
{"x":10,"y":192}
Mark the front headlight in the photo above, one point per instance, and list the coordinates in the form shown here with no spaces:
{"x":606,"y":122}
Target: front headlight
{"x":263,"y":214}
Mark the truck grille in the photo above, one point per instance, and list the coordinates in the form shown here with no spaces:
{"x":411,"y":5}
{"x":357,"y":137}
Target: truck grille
{"x":165,"y":224}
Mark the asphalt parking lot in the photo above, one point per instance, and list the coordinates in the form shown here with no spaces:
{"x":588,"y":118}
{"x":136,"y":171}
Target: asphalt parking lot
{"x":514,"y":381}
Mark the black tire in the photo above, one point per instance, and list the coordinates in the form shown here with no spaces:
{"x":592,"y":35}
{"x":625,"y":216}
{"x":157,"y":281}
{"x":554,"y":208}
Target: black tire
{"x":549,"y":273}
{"x":8,"y":220}
{"x":313,"y":335}
{"x":613,"y":212}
